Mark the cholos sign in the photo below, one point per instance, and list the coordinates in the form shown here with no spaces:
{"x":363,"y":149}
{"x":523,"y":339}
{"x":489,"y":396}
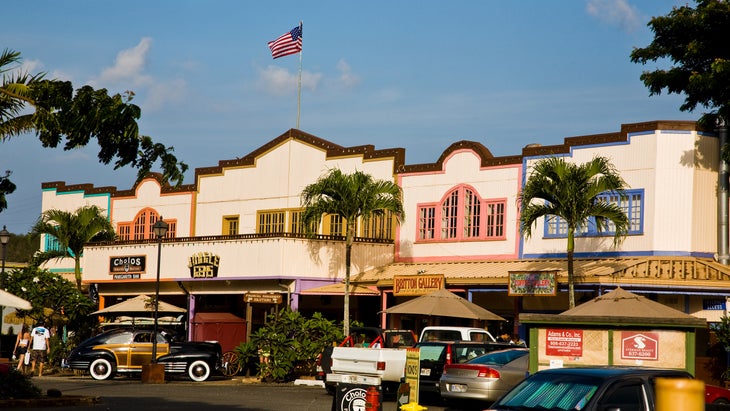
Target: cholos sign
{"x":127,"y":264}
{"x":204,"y":265}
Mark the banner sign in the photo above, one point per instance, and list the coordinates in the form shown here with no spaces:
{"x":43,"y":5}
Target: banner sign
{"x":567,"y":343}
{"x":417,"y":284}
{"x":532,"y":283}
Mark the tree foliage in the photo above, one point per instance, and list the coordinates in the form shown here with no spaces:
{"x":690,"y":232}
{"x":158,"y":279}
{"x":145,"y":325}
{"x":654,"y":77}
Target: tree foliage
{"x":350,"y":196}
{"x":72,"y":230}
{"x":289,"y":344}
{"x":60,"y":116}
{"x":55,"y":301}
{"x":695,"y":41}
{"x":557,"y":188}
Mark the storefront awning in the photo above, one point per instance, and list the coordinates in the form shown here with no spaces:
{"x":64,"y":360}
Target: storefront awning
{"x":670,"y":272}
{"x":339,"y":289}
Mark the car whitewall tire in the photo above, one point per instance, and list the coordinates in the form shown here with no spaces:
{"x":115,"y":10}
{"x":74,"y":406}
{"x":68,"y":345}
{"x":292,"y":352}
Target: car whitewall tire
{"x":101,"y":369}
{"x":199,"y":370}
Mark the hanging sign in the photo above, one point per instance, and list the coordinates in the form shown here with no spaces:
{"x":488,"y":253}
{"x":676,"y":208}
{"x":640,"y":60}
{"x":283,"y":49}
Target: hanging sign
{"x":417,"y":284}
{"x":262,"y":298}
{"x":532,"y":283}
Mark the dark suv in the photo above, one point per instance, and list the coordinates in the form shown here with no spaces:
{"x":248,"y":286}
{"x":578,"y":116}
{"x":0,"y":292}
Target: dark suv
{"x":436,"y":354}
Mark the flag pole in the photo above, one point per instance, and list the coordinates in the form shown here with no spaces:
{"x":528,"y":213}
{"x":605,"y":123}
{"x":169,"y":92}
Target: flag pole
{"x":299,"y":88}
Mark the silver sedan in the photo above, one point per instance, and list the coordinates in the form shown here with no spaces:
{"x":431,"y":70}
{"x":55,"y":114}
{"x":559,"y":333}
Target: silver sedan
{"x":485,"y":378}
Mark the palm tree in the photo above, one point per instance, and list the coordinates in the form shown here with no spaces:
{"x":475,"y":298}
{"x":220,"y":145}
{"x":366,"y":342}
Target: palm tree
{"x":571,"y":192}
{"x":73,"y":230}
{"x":351,"y":196}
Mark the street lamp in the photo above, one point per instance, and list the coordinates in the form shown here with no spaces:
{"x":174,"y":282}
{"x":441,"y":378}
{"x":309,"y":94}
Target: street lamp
{"x":160,"y":230}
{"x":4,"y":238}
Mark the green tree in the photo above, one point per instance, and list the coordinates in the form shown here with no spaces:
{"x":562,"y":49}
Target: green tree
{"x":556,"y":188}
{"x":694,"y":40}
{"x":73,"y":230}
{"x":289,"y":344}
{"x":56,"y":302}
{"x":350,"y":196}
{"x":57,"y":115}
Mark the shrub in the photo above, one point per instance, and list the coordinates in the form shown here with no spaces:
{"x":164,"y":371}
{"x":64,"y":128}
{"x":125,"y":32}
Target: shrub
{"x":15,"y":385}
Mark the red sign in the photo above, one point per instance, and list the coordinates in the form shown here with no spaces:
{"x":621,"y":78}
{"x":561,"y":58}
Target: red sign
{"x":564,"y":342}
{"x":639,"y":346}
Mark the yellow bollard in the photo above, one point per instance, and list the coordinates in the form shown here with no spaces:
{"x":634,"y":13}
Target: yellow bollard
{"x":412,"y":406}
{"x":673,"y":394}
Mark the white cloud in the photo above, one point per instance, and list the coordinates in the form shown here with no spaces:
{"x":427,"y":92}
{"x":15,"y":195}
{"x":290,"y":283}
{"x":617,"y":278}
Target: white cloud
{"x":347,"y":78}
{"x":279,"y":81}
{"x":161,"y":93}
{"x":129,"y":66}
{"x":615,"y":12}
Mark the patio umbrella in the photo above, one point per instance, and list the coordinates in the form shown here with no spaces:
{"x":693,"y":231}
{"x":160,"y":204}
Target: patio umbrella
{"x":13,"y":301}
{"x":444,"y":303}
{"x":622,"y":303}
{"x":140,"y":304}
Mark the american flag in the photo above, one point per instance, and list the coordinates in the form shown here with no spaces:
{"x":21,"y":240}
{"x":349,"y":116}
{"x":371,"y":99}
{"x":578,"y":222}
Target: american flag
{"x":289,"y":43}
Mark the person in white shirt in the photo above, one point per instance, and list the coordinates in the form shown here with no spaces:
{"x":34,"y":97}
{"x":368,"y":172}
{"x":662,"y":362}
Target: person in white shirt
{"x":40,"y":347}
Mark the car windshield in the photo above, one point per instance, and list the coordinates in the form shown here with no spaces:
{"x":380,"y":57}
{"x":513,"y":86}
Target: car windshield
{"x":546,"y":392}
{"x":499,"y":357}
{"x":431,"y":352}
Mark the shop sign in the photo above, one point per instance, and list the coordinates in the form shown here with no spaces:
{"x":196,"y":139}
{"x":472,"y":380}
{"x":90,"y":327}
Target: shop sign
{"x":417,"y":284}
{"x":127,"y":267}
{"x":204,"y":265}
{"x":262,"y":298}
{"x":413,"y":372}
{"x":532,"y":283}
{"x":568,"y":343}
{"x":639,"y":346}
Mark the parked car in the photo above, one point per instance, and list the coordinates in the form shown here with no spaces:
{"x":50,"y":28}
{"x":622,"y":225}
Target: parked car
{"x":447,"y":333}
{"x":716,"y":395}
{"x":588,"y":389}
{"x":126,"y":350}
{"x":487,"y":377}
{"x":437,"y":354}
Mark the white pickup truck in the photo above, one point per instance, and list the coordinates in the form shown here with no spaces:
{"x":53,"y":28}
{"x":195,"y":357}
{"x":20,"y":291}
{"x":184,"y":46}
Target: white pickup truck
{"x":364,"y":365}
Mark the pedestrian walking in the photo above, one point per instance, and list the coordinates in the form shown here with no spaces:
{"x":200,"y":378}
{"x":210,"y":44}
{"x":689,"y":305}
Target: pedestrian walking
{"x":40,"y":347}
{"x":20,"y":351}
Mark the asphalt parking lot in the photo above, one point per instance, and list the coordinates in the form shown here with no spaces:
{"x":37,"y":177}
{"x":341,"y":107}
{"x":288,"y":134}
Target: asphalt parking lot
{"x":125,"y":394}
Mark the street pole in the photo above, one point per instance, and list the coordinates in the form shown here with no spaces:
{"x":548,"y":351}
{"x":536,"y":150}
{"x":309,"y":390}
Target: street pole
{"x":160,"y":230}
{"x":4,"y":238}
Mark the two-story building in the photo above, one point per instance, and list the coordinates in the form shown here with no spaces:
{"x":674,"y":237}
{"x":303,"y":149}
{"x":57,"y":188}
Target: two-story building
{"x":235,"y":242}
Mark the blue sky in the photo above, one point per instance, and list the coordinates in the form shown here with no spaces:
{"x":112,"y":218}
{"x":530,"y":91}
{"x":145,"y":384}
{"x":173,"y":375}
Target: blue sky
{"x":418,"y":75}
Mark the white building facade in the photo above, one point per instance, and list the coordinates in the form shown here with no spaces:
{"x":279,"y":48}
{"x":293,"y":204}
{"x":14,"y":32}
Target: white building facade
{"x":235,"y":243}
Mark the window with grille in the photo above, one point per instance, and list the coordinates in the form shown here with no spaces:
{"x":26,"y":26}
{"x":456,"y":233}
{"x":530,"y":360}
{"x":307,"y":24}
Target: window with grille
{"x":426,"y":223}
{"x":632,"y":204}
{"x":230,"y":225}
{"x":271,"y":222}
{"x":141,"y":227}
{"x":124,"y":231}
{"x":379,"y":226}
{"x":462,"y":215}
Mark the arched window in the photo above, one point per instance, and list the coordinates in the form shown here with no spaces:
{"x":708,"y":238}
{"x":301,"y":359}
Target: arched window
{"x":141,"y":227}
{"x":462,"y":215}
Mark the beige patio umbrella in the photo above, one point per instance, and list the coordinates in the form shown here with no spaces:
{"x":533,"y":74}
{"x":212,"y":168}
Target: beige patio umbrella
{"x":622,"y":303}
{"x":140,"y":304}
{"x":13,"y":301}
{"x":446,"y":304}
